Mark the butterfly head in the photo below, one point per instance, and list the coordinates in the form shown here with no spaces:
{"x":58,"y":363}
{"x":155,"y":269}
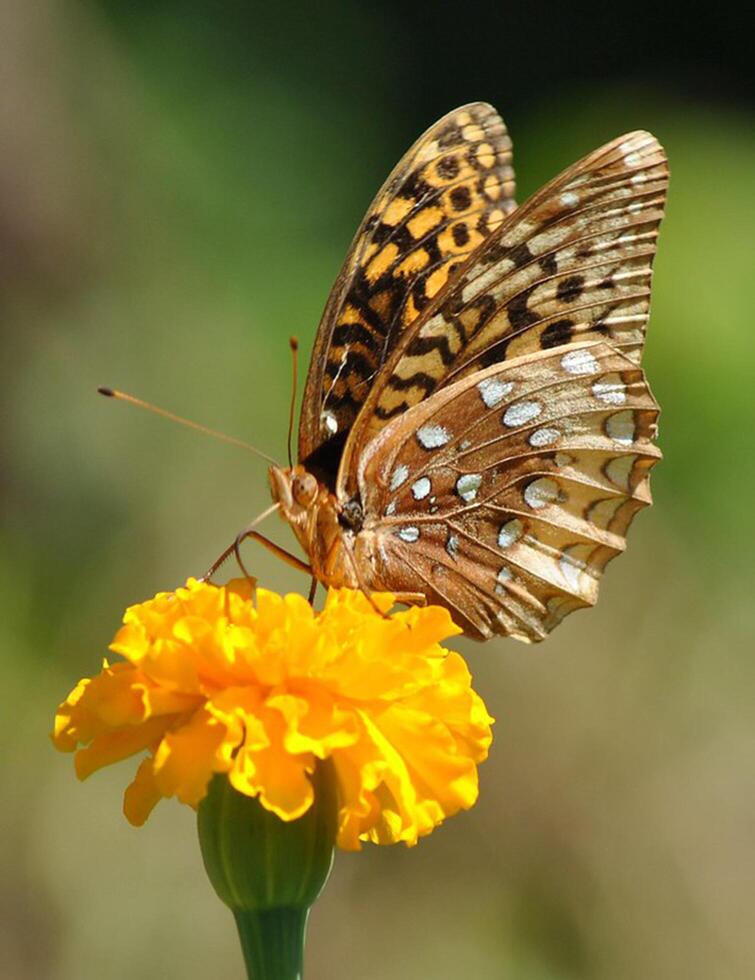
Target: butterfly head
{"x":294,"y":489}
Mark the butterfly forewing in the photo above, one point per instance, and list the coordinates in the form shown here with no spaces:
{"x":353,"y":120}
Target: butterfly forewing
{"x":451,"y":190}
{"x":504,"y":495}
{"x":572,"y":264}
{"x":476,"y":382}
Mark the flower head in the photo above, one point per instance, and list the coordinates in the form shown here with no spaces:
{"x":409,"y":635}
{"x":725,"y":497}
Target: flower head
{"x":212,"y":682}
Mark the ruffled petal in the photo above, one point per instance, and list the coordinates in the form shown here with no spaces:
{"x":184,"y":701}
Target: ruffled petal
{"x":185,"y":758}
{"x":279,"y":780}
{"x":114,"y":746}
{"x":142,"y":795}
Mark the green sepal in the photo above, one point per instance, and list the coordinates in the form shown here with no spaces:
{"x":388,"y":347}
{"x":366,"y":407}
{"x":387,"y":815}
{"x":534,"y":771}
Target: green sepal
{"x":269,"y":871}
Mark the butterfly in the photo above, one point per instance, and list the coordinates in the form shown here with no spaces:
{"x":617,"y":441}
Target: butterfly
{"x":476,"y":430}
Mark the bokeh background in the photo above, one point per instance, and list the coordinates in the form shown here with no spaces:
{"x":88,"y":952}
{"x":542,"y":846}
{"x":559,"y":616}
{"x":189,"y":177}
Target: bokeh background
{"x":179,"y":182}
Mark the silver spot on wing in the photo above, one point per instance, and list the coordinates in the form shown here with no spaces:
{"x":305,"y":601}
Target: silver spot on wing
{"x":399,"y":476}
{"x":520,"y":413}
{"x":510,"y":532}
{"x":493,"y":391}
{"x":421,"y":488}
{"x":467,"y":486}
{"x":433,"y":436}
{"x":541,"y":492}
{"x":409,"y":534}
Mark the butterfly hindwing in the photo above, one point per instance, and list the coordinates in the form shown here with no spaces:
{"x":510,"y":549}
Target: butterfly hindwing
{"x":450,"y":191}
{"x":504,"y":495}
{"x":571,"y":264}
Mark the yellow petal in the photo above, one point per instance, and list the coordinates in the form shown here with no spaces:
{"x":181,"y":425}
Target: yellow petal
{"x":279,"y":779}
{"x":118,"y":745}
{"x":142,"y":795}
{"x":185,"y":759}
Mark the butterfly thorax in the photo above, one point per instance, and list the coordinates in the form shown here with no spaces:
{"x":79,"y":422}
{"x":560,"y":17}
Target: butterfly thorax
{"x":331,"y":531}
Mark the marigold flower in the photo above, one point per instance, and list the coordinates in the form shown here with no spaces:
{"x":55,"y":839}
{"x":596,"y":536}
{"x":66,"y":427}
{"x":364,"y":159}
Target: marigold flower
{"x":212,"y":682}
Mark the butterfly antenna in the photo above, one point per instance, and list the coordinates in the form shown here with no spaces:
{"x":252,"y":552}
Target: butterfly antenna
{"x":122,"y":396}
{"x":293,"y":343}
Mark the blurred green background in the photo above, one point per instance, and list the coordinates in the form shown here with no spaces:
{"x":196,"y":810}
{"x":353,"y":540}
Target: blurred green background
{"x":178,"y":186}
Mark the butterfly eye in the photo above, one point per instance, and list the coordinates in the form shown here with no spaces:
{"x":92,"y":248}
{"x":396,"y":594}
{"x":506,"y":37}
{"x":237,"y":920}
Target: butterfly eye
{"x":304,"y":489}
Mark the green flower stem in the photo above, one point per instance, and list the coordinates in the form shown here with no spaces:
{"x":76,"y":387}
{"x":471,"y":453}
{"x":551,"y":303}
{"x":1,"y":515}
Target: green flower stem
{"x":273,"y":942}
{"x":269,"y":871}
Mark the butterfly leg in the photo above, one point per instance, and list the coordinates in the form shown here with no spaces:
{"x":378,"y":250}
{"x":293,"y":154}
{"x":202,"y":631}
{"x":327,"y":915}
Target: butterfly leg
{"x":367,"y":593}
{"x":312,"y":591}
{"x":363,"y":587}
{"x":411,"y":598}
{"x":223,"y":557}
{"x":281,"y":553}
{"x":276,"y":549}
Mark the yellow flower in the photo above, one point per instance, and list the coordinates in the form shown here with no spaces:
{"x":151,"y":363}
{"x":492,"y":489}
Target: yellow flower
{"x":214,"y":683}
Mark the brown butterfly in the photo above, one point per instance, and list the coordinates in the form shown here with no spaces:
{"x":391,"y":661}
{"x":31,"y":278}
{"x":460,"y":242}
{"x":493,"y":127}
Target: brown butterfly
{"x":476,"y":429}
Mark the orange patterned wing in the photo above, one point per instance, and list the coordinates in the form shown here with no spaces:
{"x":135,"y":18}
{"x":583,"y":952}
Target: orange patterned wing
{"x":447,"y":194}
{"x":504,"y":496}
{"x":571,"y":264}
